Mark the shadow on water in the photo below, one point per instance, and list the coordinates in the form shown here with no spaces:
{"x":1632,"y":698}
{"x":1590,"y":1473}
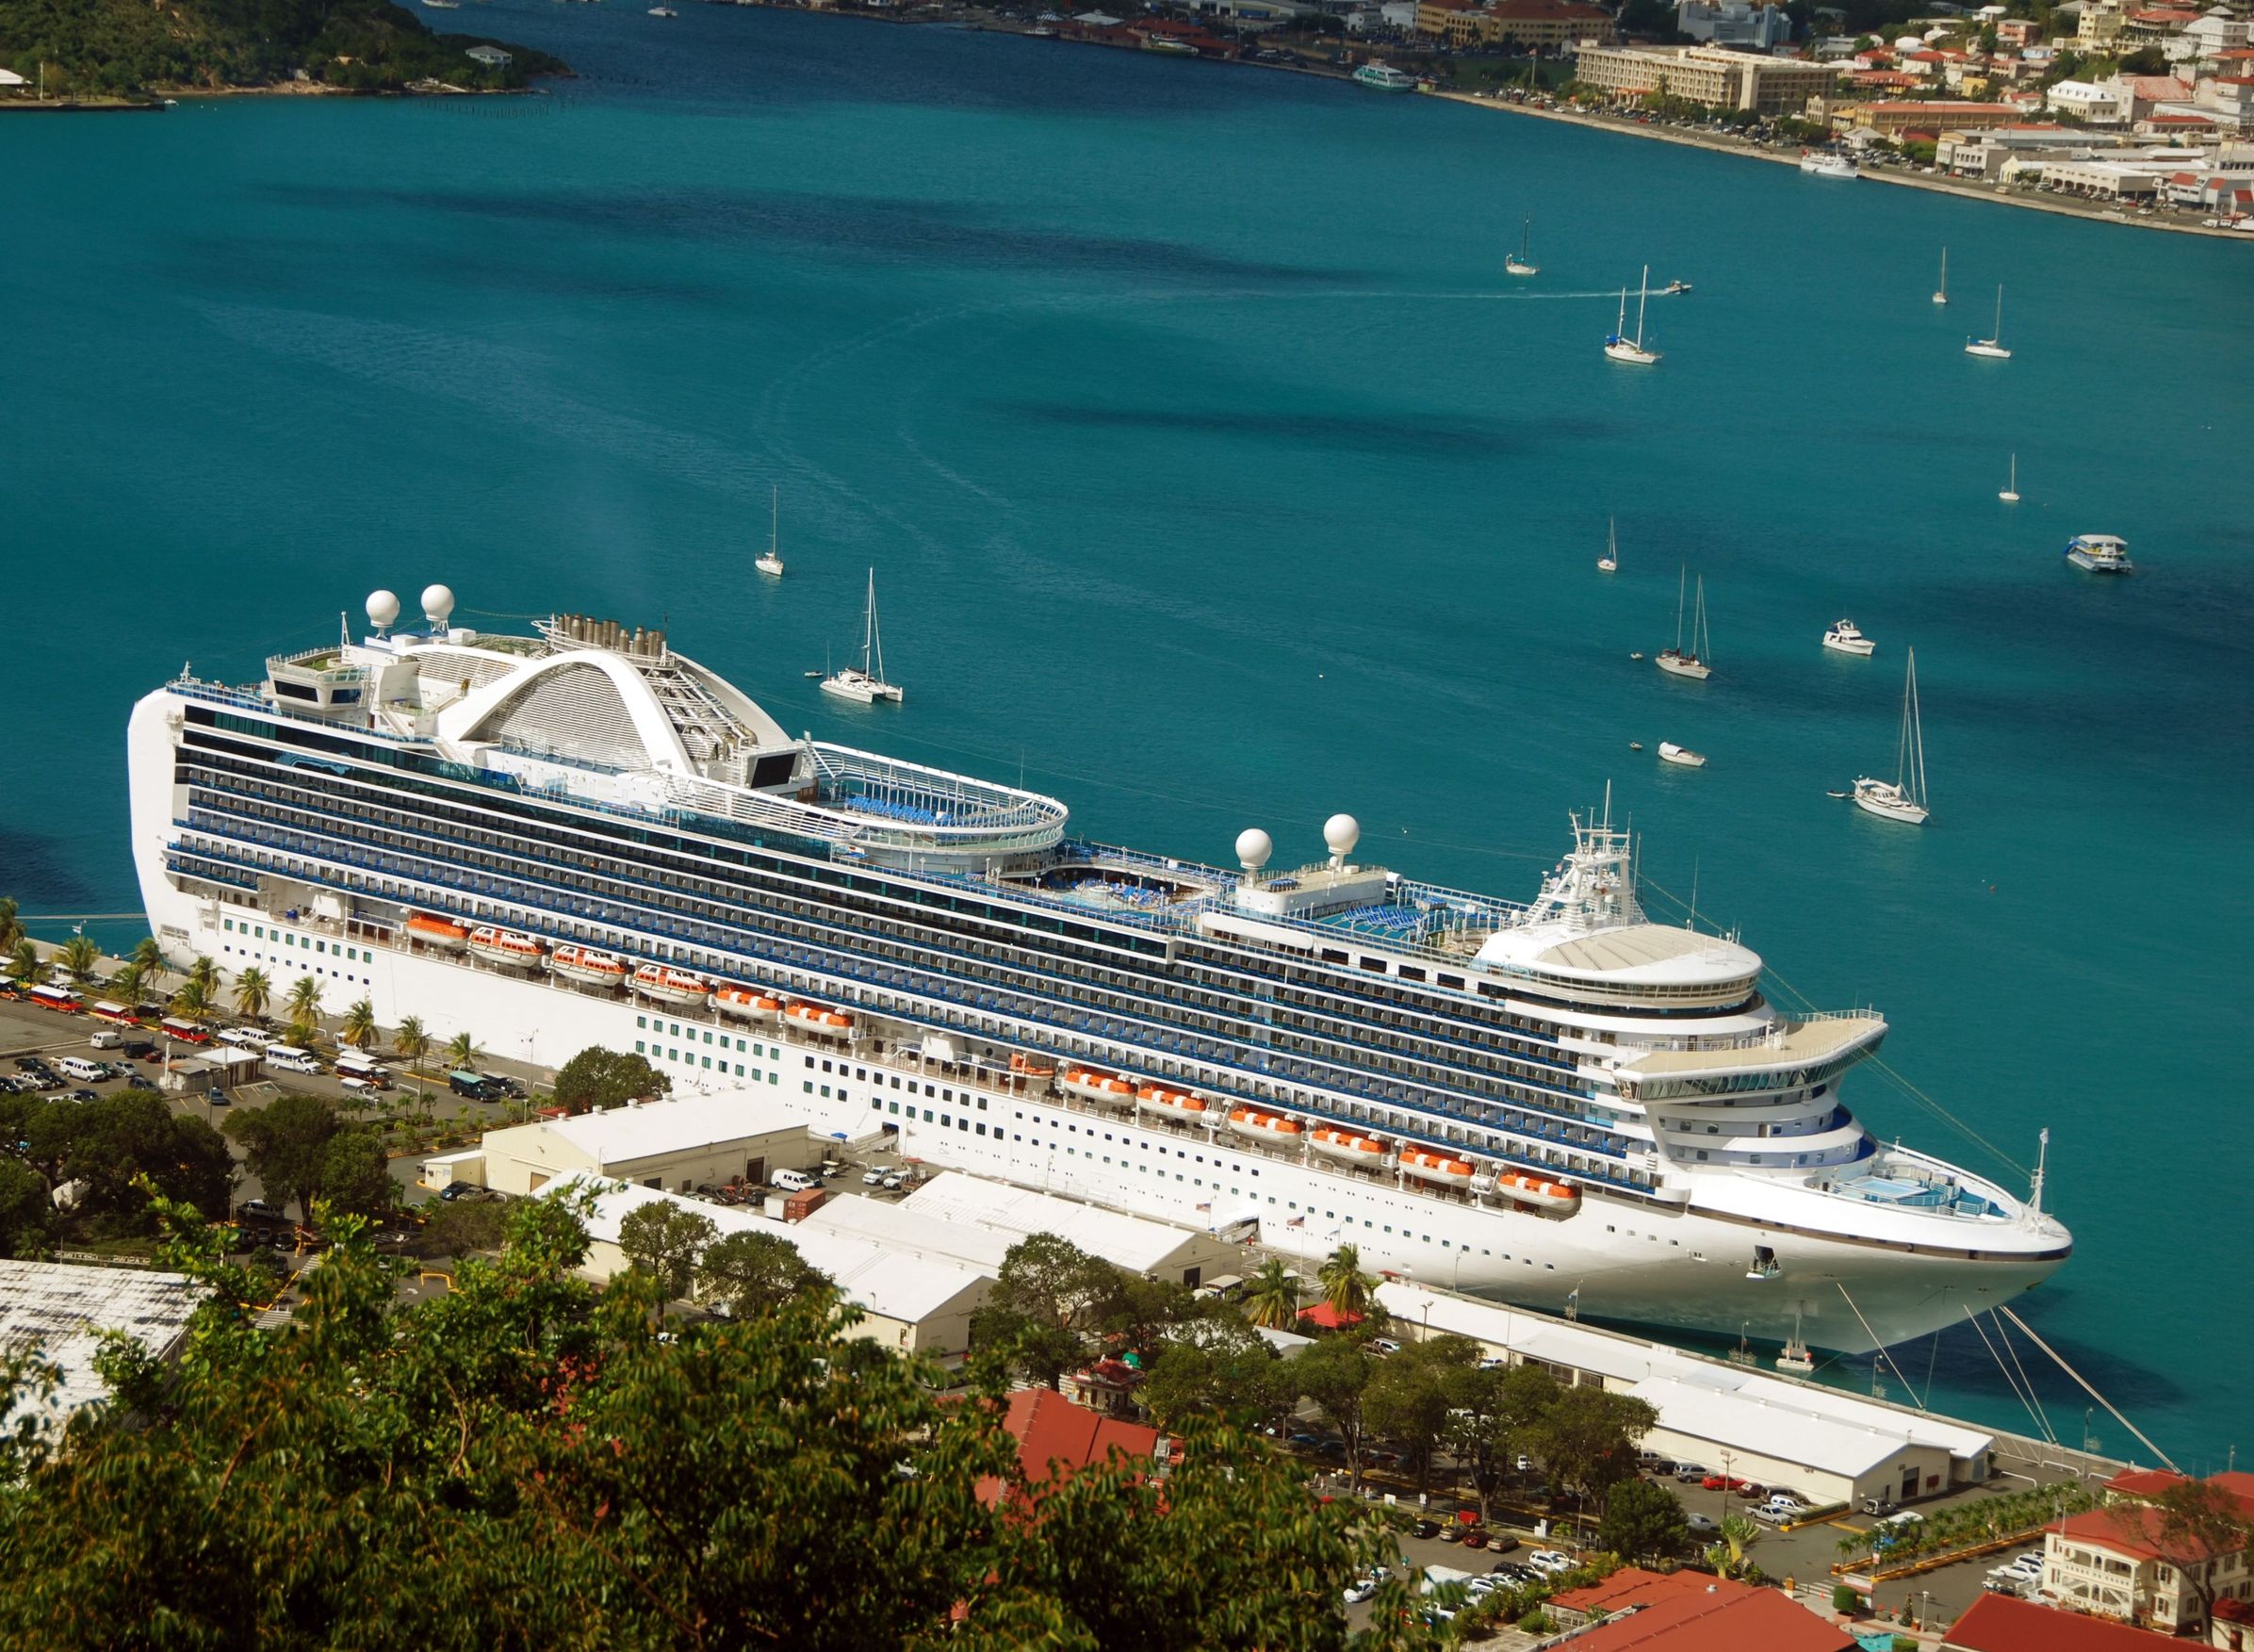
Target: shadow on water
{"x":1410,"y":435}
{"x":38,"y":872}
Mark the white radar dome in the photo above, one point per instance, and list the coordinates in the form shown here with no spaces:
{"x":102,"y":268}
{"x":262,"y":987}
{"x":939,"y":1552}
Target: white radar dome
{"x":383,"y":609}
{"x":437,"y":602}
{"x":1342,"y":832}
{"x":1253,"y":848}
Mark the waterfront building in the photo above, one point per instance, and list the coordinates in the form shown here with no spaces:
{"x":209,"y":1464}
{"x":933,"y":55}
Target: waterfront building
{"x":1984,"y":152}
{"x":1548,"y":1101}
{"x":1734,"y":23}
{"x":2118,"y":1561}
{"x":2005,"y":1623}
{"x":1536,"y":25}
{"x":682,"y":1145}
{"x":1452,"y":23}
{"x":1891,"y":119}
{"x":1706,"y":74}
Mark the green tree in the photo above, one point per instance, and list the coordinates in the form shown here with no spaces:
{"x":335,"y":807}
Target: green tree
{"x":1642,"y":1521}
{"x":1335,"y":1373}
{"x":1272,"y":1298}
{"x":412,"y":1041}
{"x":1142,"y":1311}
{"x":750,"y":1273}
{"x":1345,"y":1287}
{"x":126,"y":986}
{"x":1410,"y":1395}
{"x":305,"y":1006}
{"x":1215,"y":1368}
{"x":254,"y":991}
{"x":191,"y":1001}
{"x":11,"y":923}
{"x":1049,"y":1296}
{"x":2198,"y":1520}
{"x":79,"y":956}
{"x":1730,"y":1556}
{"x":665,"y":1241}
{"x":150,"y":955}
{"x":1496,"y":1414}
{"x":462,"y":1049}
{"x":22,"y":959}
{"x":358,"y":1028}
{"x":26,"y":1213}
{"x":206,"y":975}
{"x":1587,"y":1440}
{"x":286,"y":1144}
{"x":462,"y":1227}
{"x":118,"y":1143}
{"x":597,"y":1077}
{"x":355,"y":1177}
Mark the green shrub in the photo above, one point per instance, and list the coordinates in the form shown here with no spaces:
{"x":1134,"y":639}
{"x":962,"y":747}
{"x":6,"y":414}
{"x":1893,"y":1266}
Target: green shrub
{"x":1845,"y":1599}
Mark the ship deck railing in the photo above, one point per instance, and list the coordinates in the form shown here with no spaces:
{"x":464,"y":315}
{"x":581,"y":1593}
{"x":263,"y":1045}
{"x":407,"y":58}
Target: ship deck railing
{"x":244,"y":823}
{"x":926,"y":979}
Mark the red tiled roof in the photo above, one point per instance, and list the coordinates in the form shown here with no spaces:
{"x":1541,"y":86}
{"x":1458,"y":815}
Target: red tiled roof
{"x":2143,"y":1482}
{"x":1051,"y":1428}
{"x":1330,"y":1319}
{"x":2004,"y":1622}
{"x":1719,"y":1622}
{"x":2131,"y":1528}
{"x":1634,"y":1586}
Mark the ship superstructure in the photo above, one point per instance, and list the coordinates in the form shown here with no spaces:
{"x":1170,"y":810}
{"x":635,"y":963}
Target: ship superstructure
{"x":581,"y":836}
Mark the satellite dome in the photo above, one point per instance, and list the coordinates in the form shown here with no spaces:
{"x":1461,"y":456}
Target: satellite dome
{"x":437,"y":602}
{"x":1253,"y":848}
{"x":383,"y":609}
{"x":1342,"y":832}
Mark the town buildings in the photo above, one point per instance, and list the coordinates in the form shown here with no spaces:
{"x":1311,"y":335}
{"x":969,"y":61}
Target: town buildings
{"x":1541,"y":25}
{"x":1707,"y":76}
{"x":1734,"y":23}
{"x":2119,"y":1561}
{"x":679,"y":1145}
{"x":1635,"y":1610}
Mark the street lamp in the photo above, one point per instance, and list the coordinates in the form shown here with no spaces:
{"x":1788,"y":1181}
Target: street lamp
{"x":1728,"y":1483}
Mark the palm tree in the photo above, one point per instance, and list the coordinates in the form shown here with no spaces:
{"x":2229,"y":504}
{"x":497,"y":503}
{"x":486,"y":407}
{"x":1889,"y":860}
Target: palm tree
{"x":305,"y":1010}
{"x":1272,"y":1299}
{"x":12,"y":927}
{"x":22,"y":959}
{"x":1737,"y":1535}
{"x":127,"y":983}
{"x":207,"y":973}
{"x":359,"y":1029}
{"x":190,"y":1002}
{"x":413,"y":1041}
{"x":151,"y":957}
{"x":1345,"y":1287}
{"x":462,"y":1051}
{"x":254,"y":991}
{"x":81,"y":955}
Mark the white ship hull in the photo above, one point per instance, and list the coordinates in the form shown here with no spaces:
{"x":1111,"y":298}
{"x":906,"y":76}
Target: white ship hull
{"x":1683,"y":665}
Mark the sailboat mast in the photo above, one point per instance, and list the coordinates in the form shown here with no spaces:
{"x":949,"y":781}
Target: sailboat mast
{"x":1916,"y":723}
{"x":1943,"y":287}
{"x":1699,"y":644}
{"x":1997,"y":335}
{"x":869,"y":625}
{"x":1644,"y":297}
{"x":1681,"y":585}
{"x":775,"y":521}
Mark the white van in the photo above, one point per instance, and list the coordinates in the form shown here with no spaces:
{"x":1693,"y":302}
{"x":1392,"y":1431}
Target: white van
{"x":791,"y":1180}
{"x":356,"y":1085}
{"x":289,"y":1058}
{"x":243,"y":1039}
{"x":107,"y":1039}
{"x":85,"y":1071}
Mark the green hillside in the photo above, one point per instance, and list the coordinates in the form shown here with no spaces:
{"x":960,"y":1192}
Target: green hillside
{"x":116,"y":48}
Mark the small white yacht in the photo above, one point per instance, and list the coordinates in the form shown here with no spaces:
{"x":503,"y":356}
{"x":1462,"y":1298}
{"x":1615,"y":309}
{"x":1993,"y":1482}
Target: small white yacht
{"x":1521,"y":262}
{"x":1610,"y":562}
{"x":1903,"y":798}
{"x":2100,"y":553}
{"x":1673,"y":288}
{"x":1846,"y":638}
{"x":2010,"y":495}
{"x":1823,"y":164}
{"x":772,"y":563}
{"x":1681,"y":756}
{"x":1992,"y":347}
{"x":1678,"y":661}
{"x":1620,"y":347}
{"x":866,"y":683}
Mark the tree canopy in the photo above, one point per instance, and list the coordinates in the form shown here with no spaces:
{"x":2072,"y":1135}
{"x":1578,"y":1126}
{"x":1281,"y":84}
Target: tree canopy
{"x":665,"y":1241}
{"x":286,"y":1144}
{"x":597,"y":1077}
{"x":756,"y":1273}
{"x":105,"y":1145}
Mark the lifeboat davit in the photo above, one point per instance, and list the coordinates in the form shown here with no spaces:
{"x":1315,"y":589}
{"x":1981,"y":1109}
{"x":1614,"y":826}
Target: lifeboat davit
{"x":1539,"y":1191}
{"x":587,"y":966}
{"x":746,"y":1003}
{"x":813,"y":1017}
{"x":1348,"y":1145}
{"x":1428,"y":1166}
{"x":1097,"y":1086}
{"x":671,"y":985}
{"x":1171,"y":1104}
{"x":505,"y":947}
{"x":439,"y":932}
{"x":1259,"y":1126}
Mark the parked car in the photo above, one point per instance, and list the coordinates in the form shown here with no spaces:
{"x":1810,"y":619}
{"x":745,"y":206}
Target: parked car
{"x":1360,"y":1590}
{"x":1701,"y":1524}
{"x":454,"y":1190}
{"x":134,"y":1081}
{"x":1302,"y":1442}
{"x":873,"y":1178}
{"x":1501,"y":1542}
{"x":1514,"y":1571}
{"x":1722,"y":1483}
{"x":1689,"y":1473}
{"x":1549,"y":1562}
{"x":1383,"y":1345}
{"x":1427,"y":1528}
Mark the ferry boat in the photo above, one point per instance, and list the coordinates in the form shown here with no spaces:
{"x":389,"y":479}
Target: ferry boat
{"x":2099,"y":553}
{"x":1845,"y":637}
{"x":1384,"y":78}
{"x":1823,"y":164}
{"x":950,"y":950}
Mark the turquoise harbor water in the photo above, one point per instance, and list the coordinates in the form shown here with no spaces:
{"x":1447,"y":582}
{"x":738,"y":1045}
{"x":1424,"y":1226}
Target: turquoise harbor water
{"x":1214,"y":477}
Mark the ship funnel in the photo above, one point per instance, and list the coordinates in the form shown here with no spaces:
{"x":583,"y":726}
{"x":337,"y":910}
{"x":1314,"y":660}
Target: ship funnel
{"x":1342,"y":832}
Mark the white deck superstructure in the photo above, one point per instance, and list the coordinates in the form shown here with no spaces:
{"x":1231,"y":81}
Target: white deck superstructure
{"x":892,"y":946}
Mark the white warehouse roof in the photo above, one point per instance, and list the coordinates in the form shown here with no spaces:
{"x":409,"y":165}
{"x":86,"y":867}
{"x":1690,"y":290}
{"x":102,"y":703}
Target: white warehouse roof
{"x":1132,"y":1242}
{"x":621,"y":1134}
{"x":58,"y":1313}
{"x":910,"y":1231}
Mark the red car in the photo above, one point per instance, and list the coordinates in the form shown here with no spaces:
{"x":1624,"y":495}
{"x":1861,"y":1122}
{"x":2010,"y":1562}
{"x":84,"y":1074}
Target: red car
{"x":1723,"y":1482}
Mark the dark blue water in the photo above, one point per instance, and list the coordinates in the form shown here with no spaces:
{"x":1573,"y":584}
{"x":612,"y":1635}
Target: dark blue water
{"x":1212,"y":478}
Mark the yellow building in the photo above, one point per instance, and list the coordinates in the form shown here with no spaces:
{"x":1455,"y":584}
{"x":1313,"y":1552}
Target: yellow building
{"x":1706,"y":76}
{"x":1453,"y":23}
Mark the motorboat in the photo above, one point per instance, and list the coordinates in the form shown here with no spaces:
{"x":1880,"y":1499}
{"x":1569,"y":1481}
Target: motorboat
{"x":1673,"y":288}
{"x":746,"y":1003}
{"x":1095,"y":1086}
{"x":1350,"y":1146}
{"x":443,"y":933}
{"x":1428,"y":1166}
{"x":1621,"y":348}
{"x":1825,"y":164}
{"x":505,"y":947}
{"x":1903,"y":799}
{"x":1681,"y":756}
{"x":1384,"y":78}
{"x":818,"y":1019}
{"x":1992,"y":348}
{"x":1256,"y":1125}
{"x":1845,"y":637}
{"x":2099,"y":553}
{"x":588,"y":966}
{"x":1169,"y":1102}
{"x":1691,"y":663}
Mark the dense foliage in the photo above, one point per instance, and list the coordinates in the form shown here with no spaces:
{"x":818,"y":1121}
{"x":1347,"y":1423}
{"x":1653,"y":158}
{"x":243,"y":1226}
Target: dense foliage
{"x":114,"y":47}
{"x":527,"y":1462}
{"x":597,"y":1077}
{"x":95,"y":1149}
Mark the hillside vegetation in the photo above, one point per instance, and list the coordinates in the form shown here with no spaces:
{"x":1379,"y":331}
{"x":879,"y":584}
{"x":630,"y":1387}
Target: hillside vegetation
{"x":119,"y":47}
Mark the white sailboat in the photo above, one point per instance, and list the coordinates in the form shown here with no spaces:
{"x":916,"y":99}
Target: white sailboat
{"x":1610,"y":562}
{"x":772,"y":562}
{"x":1903,"y":798}
{"x":1676,"y":661}
{"x":1622,"y":348}
{"x":866,"y":682}
{"x":1991,"y":347}
{"x":2010,"y":495}
{"x":1519,"y":264}
{"x":1940,"y":294}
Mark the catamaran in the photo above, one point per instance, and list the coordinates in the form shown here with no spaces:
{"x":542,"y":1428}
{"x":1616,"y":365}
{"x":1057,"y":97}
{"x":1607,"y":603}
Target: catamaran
{"x":1622,"y":349}
{"x":866,"y":682}
{"x":773,"y":561}
{"x":1903,"y":798}
{"x":1610,"y":562}
{"x":1991,"y":347}
{"x":1519,"y":264}
{"x":1694,"y":662}
{"x":1940,"y":293}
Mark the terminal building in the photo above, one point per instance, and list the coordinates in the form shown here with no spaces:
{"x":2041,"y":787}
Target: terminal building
{"x":678,"y":1145}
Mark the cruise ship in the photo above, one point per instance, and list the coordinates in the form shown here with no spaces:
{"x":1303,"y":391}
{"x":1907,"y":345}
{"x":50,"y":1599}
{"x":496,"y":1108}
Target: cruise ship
{"x":580,"y":835}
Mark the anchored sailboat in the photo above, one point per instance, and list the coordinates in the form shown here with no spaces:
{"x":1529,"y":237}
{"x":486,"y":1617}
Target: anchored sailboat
{"x":866,"y":682}
{"x":773,"y":561}
{"x":1610,"y":562}
{"x":1692,"y":662}
{"x":1903,"y":798}
{"x":1991,"y":347}
{"x":1940,"y":294}
{"x":1520,"y":265}
{"x":2010,"y":495}
{"x":1622,"y":348}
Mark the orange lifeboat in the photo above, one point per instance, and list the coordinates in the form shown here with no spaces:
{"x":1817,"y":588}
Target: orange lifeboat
{"x":587,"y":966}
{"x":1171,"y":1104}
{"x":1259,"y":1126}
{"x":746,"y":1003}
{"x":1428,"y":1166}
{"x":505,"y":947}
{"x":439,"y":932}
{"x":1539,"y":1191}
{"x":1097,"y":1086}
{"x":671,"y":985}
{"x":1355,"y":1149}
{"x":813,"y":1017}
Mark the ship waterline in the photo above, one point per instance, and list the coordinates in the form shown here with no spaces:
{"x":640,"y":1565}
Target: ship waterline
{"x":944,"y":951}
